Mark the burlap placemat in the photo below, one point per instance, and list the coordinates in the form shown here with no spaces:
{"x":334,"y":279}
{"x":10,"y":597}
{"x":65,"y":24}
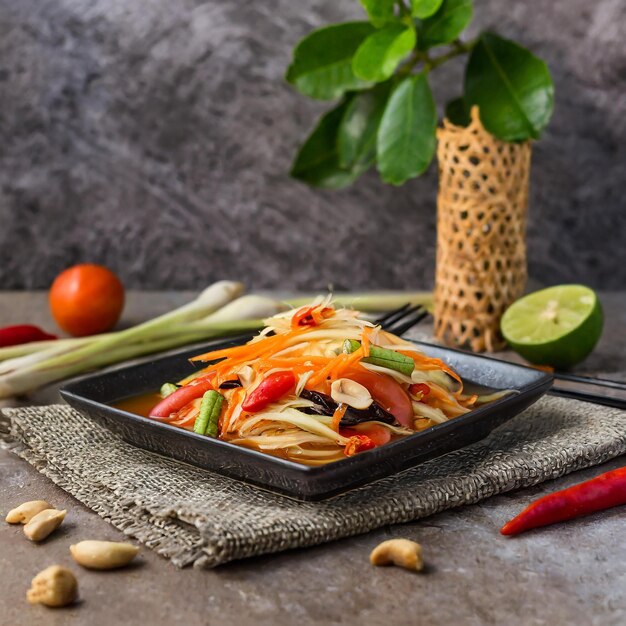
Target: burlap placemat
{"x":195,"y":517}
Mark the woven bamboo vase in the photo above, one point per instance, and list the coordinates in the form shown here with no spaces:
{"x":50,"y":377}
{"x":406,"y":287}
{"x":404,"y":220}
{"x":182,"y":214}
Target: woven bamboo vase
{"x":481,"y":229}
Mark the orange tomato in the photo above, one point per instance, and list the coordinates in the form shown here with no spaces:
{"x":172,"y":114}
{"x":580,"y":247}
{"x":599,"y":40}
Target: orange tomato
{"x":86,"y":300}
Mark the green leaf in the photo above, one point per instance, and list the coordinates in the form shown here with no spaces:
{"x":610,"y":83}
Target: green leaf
{"x":322,"y":61}
{"x":446,"y":24}
{"x":379,"y":12}
{"x":458,"y":112}
{"x":379,"y":55}
{"x":356,"y":141}
{"x":424,"y":8}
{"x":512,"y":88}
{"x":406,"y":136}
{"x":317,"y":162}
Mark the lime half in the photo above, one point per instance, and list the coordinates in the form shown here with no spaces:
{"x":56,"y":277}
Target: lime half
{"x":558,"y":326}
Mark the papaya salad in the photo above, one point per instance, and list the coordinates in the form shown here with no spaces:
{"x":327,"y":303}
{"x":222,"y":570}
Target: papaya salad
{"x":317,"y":384}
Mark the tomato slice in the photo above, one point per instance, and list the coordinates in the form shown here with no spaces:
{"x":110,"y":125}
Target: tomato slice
{"x":181,"y":397}
{"x":388,"y":393}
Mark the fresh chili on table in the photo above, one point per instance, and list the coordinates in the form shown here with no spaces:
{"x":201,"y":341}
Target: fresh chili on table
{"x":599,"y":493}
{"x":22,"y":333}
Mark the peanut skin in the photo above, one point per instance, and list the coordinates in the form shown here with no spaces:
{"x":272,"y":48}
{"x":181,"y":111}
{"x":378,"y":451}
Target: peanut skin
{"x":55,"y":586}
{"x":43,"y":524}
{"x":103,"y":554}
{"x":25,"y":512}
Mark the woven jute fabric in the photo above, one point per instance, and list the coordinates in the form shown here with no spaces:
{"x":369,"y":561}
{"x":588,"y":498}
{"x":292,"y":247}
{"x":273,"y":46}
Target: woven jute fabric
{"x":195,"y":517}
{"x":481,"y":226}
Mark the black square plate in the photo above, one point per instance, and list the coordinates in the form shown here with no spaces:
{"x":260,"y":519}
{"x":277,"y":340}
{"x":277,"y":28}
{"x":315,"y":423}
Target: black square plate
{"x":93,"y":396}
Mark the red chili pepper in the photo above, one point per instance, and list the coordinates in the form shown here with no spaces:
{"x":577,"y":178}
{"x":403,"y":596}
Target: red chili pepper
{"x":303,"y":317}
{"x":177,"y":400}
{"x":24,"y":333}
{"x":358,"y":443}
{"x":310,"y":316}
{"x":417,"y":388}
{"x":274,"y":387}
{"x":603,"y":492}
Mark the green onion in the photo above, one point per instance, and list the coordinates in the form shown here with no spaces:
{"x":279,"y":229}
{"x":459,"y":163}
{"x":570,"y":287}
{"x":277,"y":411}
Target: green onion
{"x":167,"y":389}
{"x":210,"y":409}
{"x":383,"y":357}
{"x":350,"y":346}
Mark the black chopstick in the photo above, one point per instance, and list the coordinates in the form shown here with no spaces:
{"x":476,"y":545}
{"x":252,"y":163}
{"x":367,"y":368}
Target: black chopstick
{"x":618,"y":403}
{"x":598,"y":382}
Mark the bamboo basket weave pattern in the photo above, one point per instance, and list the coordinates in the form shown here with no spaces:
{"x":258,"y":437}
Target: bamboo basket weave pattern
{"x":481,"y":226}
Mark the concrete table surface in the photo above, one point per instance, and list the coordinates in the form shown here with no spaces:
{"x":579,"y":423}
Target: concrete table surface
{"x":566,"y":574}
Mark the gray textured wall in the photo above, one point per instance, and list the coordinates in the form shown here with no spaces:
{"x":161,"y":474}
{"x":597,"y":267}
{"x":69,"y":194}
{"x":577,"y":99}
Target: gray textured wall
{"x":155,"y":135}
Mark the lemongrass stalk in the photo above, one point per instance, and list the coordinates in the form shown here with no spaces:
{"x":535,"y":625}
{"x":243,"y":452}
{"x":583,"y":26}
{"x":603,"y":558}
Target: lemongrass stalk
{"x":24,"y":349}
{"x":242,"y":315}
{"x":212,"y":298}
{"x":246,"y":307}
{"x":373,"y":301}
{"x":30,"y":360}
{"x":25,"y":380}
{"x":255,"y":303}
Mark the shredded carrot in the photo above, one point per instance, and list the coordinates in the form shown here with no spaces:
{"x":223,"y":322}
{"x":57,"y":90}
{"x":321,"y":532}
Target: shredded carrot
{"x":470,"y":401}
{"x":297,"y":361}
{"x":249,"y":350}
{"x":335,"y":367}
{"x":340,"y":411}
{"x":347,"y":362}
{"x":258,"y":354}
{"x":366,"y":341}
{"x":320,"y":376}
{"x":231,"y":405}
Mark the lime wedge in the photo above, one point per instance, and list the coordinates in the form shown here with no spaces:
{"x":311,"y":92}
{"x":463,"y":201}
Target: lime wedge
{"x":558,"y":326}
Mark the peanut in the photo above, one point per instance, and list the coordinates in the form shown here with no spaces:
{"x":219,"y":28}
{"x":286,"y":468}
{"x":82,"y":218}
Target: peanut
{"x":103,"y":554}
{"x":346,"y":391}
{"x":44,"y":523}
{"x":25,"y":512}
{"x":401,"y":552}
{"x":55,"y":586}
